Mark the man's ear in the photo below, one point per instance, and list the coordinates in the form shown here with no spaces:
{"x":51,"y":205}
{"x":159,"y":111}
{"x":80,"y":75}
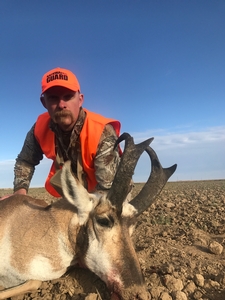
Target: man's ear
{"x":43,"y":100}
{"x":81,"y":99}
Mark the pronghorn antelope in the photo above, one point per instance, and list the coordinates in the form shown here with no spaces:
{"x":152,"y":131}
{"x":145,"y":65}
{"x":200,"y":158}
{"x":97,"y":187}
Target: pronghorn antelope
{"x":40,"y":242}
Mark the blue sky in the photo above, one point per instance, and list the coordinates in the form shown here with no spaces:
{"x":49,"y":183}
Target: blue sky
{"x":157,"y":66}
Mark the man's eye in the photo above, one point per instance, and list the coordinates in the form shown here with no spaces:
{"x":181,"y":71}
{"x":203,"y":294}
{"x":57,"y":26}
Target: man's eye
{"x":68,"y":97}
{"x":52,"y":98}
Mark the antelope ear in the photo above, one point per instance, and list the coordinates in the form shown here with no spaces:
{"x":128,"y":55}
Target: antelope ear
{"x":76,"y":194}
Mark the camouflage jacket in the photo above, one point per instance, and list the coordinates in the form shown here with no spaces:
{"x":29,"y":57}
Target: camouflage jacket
{"x":67,"y":146}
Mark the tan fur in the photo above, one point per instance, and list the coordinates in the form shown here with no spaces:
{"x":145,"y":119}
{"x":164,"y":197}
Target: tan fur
{"x":51,"y":221}
{"x":39,"y":242}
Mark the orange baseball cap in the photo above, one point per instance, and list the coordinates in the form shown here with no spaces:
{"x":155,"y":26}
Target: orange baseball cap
{"x":60,"y":77}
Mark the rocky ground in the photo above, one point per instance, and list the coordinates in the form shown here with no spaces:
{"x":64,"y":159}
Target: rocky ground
{"x":180,"y":243}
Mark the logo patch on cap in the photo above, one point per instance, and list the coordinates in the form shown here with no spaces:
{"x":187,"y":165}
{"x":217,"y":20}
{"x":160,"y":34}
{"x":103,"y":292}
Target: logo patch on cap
{"x":56,"y":75}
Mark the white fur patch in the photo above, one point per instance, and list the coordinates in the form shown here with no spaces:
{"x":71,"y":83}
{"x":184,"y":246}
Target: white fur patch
{"x":128,"y":210}
{"x":85,"y":206}
{"x":100,"y":263}
{"x":77,"y":195}
{"x":40,"y":268}
{"x":5,"y":267}
{"x":74,"y":220}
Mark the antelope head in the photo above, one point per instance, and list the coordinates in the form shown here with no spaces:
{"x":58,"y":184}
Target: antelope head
{"x":109,"y":251}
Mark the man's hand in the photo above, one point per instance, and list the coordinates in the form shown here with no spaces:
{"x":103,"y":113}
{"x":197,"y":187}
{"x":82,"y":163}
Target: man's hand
{"x":20,"y":192}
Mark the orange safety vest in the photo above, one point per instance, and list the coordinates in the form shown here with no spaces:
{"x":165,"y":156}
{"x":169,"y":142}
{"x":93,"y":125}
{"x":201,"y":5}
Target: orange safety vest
{"x":89,"y":138}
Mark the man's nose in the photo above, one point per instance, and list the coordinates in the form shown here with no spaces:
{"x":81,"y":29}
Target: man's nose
{"x":62,"y":103}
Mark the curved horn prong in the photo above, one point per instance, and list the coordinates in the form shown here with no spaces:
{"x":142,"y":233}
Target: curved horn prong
{"x":121,"y":183}
{"x":156,"y":181}
{"x":124,"y":137}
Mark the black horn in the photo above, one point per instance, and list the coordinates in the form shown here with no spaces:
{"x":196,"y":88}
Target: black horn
{"x":156,"y":181}
{"x":122,"y":180}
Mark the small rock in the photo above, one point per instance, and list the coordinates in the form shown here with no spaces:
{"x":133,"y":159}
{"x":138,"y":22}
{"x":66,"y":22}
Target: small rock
{"x":167,"y":268}
{"x":173,"y":284}
{"x":91,"y":296}
{"x":199,"y":280}
{"x":165,"y":296}
{"x":215,"y":248}
{"x":154,"y":279}
{"x":223,"y":280}
{"x":170,"y":205}
{"x":179,"y":295}
{"x":156,"y":292}
{"x":197,"y":295}
{"x":214,"y":284}
{"x":190,"y":288}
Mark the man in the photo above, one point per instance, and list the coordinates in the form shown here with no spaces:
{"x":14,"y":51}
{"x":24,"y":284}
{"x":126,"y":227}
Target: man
{"x":68,"y":132}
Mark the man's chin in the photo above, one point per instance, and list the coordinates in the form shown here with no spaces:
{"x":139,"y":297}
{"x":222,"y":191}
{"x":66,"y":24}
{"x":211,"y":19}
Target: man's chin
{"x":65,"y":125}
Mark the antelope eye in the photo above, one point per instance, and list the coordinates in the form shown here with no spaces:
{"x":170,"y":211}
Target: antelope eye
{"x":104,"y":222}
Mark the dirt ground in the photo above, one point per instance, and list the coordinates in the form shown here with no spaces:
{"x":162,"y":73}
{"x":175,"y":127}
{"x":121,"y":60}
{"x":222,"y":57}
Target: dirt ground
{"x":180,"y":243}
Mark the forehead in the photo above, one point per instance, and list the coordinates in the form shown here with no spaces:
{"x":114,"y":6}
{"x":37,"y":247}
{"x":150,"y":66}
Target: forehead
{"x":58,"y":90}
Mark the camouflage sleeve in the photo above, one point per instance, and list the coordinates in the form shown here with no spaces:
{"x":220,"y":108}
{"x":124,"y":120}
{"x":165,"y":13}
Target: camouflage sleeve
{"x":29,"y":157}
{"x":106,"y":160}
